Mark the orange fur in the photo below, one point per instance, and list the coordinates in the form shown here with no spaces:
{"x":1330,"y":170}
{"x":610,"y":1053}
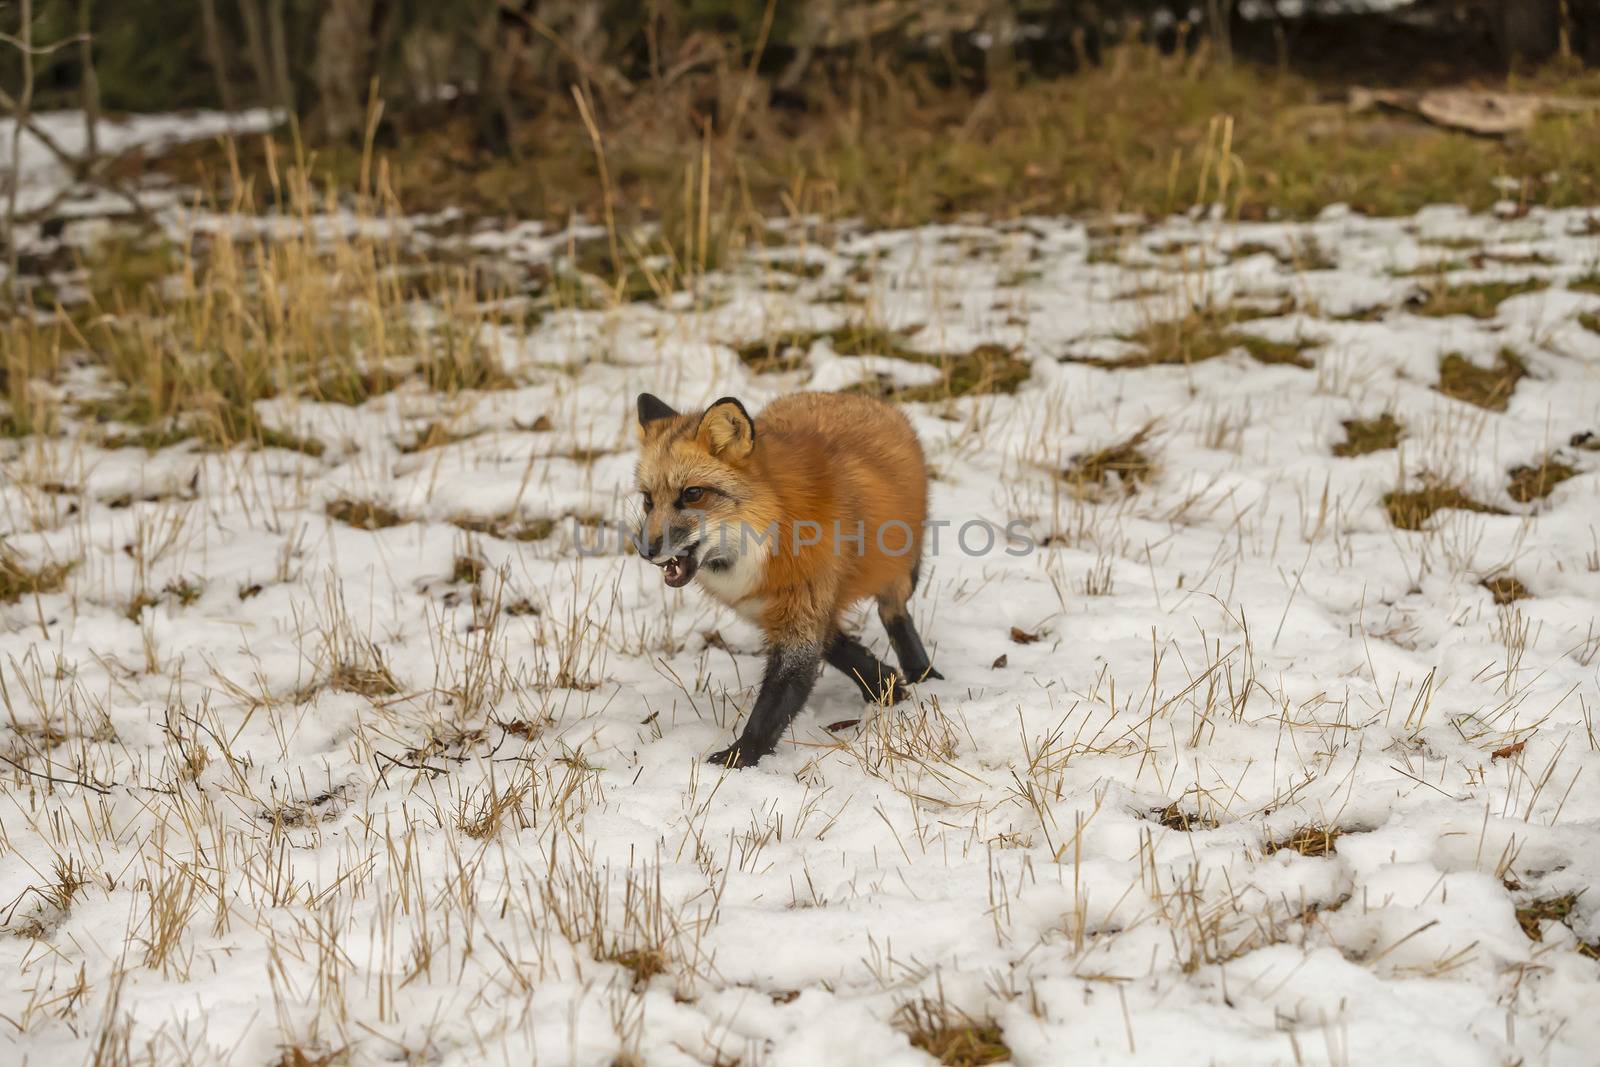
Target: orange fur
{"x":822,"y":458}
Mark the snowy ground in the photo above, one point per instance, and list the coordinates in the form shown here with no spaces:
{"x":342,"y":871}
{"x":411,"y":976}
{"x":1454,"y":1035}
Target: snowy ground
{"x":509,"y":850}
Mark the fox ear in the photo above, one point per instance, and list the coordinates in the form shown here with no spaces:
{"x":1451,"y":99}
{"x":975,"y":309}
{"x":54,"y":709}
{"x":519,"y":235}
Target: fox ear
{"x":726,"y":430}
{"x":652,"y":409}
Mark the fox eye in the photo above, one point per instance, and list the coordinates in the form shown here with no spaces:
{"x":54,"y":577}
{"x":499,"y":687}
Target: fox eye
{"x":693,"y":494}
{"x":648,"y":502}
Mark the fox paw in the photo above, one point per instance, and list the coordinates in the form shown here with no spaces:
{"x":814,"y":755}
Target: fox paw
{"x":733,"y":757}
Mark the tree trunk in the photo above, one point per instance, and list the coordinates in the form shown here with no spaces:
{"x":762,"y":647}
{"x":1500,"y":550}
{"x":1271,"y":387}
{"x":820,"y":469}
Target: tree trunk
{"x":91,"y":84}
{"x":1528,"y":29}
{"x":216,"y":55}
{"x":343,"y":65}
{"x":280,"y":55}
{"x":256,"y":44}
{"x":19,"y":120}
{"x":494,"y":88}
{"x":1219,"y":19}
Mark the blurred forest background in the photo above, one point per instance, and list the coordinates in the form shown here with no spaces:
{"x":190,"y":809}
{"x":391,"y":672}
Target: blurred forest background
{"x":887,"y":109}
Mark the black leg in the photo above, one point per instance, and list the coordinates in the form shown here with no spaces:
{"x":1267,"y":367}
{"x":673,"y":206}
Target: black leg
{"x":908,"y":648}
{"x":791,"y":672}
{"x":876,"y":681}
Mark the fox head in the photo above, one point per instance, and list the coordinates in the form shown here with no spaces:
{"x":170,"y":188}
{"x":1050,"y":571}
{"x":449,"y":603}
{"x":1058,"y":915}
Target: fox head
{"x":700,"y":494}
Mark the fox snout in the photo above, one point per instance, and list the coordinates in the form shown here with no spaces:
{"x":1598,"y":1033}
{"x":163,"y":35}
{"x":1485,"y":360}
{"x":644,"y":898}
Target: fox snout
{"x":660,"y":541}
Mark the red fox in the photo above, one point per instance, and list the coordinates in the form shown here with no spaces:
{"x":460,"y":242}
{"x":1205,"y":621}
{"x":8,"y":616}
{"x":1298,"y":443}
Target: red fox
{"x":789,"y":519}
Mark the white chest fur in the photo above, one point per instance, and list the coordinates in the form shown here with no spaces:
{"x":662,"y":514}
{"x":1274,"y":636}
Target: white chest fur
{"x":735,"y":585}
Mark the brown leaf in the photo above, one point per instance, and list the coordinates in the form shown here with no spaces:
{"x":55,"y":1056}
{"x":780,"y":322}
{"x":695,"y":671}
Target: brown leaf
{"x":843,"y":724}
{"x":1000,"y":662}
{"x":1508,"y":751}
{"x":1023,"y":637}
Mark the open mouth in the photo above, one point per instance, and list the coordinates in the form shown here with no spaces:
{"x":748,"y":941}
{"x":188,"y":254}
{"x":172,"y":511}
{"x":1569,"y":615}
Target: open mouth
{"x":680,"y":568}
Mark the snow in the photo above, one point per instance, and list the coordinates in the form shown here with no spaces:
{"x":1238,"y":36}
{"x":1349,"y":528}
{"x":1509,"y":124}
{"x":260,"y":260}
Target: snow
{"x":41,"y":176}
{"x":519,"y":855}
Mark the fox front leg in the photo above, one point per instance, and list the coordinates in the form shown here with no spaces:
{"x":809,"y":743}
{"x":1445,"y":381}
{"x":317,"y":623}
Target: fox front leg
{"x":790,"y":674}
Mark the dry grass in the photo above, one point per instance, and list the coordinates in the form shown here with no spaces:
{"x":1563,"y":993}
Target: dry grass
{"x":1506,"y":589}
{"x":1365,"y":436}
{"x":1127,"y":460}
{"x":986,"y":370}
{"x":193,"y":336}
{"x":1479,"y":300}
{"x":950,"y":1037}
{"x":1586,"y":283}
{"x":1530,"y":483}
{"x":363,"y":514}
{"x":1175,"y":818}
{"x":1534,"y":914}
{"x":1203,"y":333}
{"x":1411,"y":509}
{"x":777,"y":353}
{"x":1590,"y":321}
{"x":18,"y":579}
{"x":1308,"y":841}
{"x":1487,"y":387}
{"x":30,"y":356}
{"x":1290,"y":353}
{"x":1140,"y":132}
{"x":507,"y":528}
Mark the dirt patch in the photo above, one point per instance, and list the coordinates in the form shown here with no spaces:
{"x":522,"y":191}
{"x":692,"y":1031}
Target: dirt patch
{"x":433,"y":435}
{"x":986,"y":370}
{"x":1204,"y":333}
{"x":1530,"y":483}
{"x":1175,"y":818}
{"x":1127,"y":461}
{"x":778,"y":353}
{"x":1365,"y":436}
{"x":18,"y":580}
{"x":1489,"y":388}
{"x":1291,"y":353}
{"x":506,"y":528}
{"x":1478,"y":300}
{"x":369,"y":680}
{"x":363,"y":514}
{"x":1410,"y":509}
{"x":1505,"y":589}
